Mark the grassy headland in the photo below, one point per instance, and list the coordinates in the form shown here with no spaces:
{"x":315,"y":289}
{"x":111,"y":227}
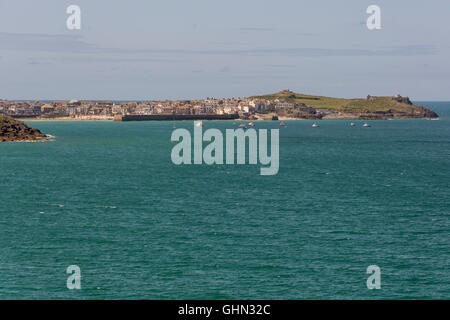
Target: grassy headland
{"x":371,"y":107}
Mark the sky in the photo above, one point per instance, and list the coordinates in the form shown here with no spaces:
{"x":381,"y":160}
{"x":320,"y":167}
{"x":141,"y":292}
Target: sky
{"x":179,"y":49}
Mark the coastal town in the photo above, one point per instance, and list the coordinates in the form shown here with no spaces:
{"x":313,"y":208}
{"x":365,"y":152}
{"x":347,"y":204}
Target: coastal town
{"x":282,"y":105}
{"x":109,"y":109}
{"x":76,"y":109}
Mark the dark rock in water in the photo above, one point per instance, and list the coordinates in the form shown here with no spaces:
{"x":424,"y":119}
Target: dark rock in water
{"x":14,"y":130}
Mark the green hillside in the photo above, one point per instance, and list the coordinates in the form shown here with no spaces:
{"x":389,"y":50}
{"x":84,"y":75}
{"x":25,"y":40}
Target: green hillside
{"x":374,"y":104}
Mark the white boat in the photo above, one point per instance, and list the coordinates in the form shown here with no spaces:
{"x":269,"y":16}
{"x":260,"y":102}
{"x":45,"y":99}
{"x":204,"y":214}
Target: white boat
{"x":282,"y":124}
{"x":366,"y":125}
{"x":243,"y":126}
{"x":251,"y":124}
{"x":199,"y":124}
{"x":315,"y":125}
{"x":352,"y":124}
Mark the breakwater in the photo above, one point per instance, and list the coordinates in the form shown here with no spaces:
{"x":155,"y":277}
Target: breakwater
{"x":176,"y":117}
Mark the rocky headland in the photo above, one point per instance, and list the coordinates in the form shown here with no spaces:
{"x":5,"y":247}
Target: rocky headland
{"x":15,"y":130}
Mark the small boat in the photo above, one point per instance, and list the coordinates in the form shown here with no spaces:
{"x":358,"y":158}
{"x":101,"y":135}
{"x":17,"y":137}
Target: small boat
{"x":251,"y":124}
{"x":315,"y":125}
{"x":352,"y":124}
{"x":282,"y":124}
{"x":366,"y":125}
{"x":199,"y":124}
{"x":243,"y":126}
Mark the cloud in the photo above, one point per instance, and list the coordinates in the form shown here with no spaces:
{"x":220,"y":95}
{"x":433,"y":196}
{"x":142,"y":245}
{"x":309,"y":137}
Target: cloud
{"x":255,"y":29}
{"x":306,"y":34}
{"x":417,"y":50}
{"x":33,"y":62}
{"x":44,"y":42}
{"x":280,"y":65}
{"x":116,"y":58}
{"x":76,"y":44}
{"x":354,"y":52}
{"x":261,"y":29}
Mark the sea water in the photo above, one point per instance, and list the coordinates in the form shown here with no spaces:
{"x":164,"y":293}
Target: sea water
{"x":105,"y":196}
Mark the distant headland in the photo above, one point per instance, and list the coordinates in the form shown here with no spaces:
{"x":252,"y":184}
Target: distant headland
{"x":284,"y":105}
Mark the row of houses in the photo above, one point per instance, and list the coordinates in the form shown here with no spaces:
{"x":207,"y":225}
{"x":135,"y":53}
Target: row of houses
{"x":74,"y":108}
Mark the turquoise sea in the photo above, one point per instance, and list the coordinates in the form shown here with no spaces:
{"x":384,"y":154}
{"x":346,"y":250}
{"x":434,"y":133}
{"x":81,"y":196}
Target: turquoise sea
{"x":105,"y":196}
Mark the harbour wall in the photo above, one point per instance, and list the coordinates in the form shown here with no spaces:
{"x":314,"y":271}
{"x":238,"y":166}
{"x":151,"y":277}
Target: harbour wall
{"x":176,"y":117}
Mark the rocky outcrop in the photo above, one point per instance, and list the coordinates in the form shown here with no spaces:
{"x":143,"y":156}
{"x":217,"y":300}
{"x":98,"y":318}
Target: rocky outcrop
{"x":418,"y":112}
{"x":14,"y":130}
{"x":413,"y":112}
{"x":425,"y":113}
{"x":401,"y":99}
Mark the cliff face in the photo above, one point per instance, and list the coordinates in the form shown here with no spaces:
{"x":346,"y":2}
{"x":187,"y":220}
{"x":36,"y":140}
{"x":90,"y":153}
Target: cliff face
{"x":14,"y":130}
{"x":417,"y":112}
